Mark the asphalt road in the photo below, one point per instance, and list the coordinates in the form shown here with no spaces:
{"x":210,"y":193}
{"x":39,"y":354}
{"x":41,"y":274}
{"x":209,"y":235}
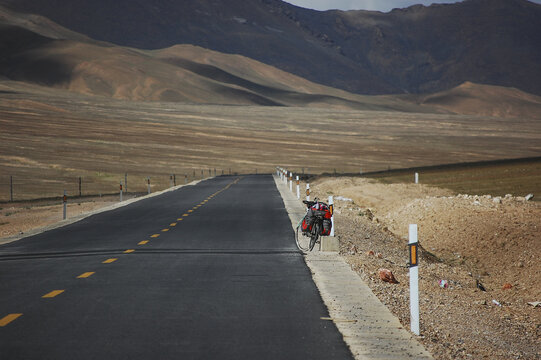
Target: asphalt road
{"x":204,"y":272}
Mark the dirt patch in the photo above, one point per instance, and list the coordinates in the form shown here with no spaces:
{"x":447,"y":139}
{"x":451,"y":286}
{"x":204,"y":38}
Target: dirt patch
{"x":19,"y":218}
{"x":467,"y":240}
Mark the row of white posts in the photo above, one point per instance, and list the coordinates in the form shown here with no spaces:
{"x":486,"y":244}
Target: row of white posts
{"x":286,"y":176}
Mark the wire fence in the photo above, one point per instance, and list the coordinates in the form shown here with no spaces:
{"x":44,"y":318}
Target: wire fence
{"x":14,"y":188}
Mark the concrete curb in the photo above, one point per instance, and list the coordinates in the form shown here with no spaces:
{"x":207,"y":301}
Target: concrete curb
{"x":80,"y":217}
{"x":369,"y":329}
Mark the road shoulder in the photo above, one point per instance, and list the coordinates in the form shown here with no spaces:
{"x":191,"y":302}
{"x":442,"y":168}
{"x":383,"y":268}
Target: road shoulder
{"x":369,"y":329}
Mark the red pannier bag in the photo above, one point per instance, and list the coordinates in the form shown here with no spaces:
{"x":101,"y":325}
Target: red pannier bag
{"x":306,"y":226}
{"x":327,"y":226}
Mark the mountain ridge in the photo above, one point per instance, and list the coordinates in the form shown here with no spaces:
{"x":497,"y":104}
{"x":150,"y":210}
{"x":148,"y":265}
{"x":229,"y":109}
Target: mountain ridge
{"x":420,"y":49}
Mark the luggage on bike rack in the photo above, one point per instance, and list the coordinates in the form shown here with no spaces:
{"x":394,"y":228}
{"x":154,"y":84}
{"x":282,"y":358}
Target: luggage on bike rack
{"x":318,"y":209}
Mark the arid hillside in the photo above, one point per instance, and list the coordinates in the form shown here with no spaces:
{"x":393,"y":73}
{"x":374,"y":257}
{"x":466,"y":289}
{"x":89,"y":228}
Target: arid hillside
{"x":414,"y":50}
{"x":35,"y":50}
{"x":486,"y":100}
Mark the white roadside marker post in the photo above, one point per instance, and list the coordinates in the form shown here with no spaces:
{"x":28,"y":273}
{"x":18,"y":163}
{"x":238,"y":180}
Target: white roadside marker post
{"x":307,"y":192}
{"x":121,"y":191}
{"x":416,"y":178}
{"x":148,"y":185}
{"x":414,"y":279}
{"x":298,"y":188}
{"x":290,"y":181}
{"x":65,"y":203}
{"x":331,"y":205}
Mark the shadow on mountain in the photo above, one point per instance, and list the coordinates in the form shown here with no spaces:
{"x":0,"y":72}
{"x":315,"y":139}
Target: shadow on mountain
{"x":20,"y":59}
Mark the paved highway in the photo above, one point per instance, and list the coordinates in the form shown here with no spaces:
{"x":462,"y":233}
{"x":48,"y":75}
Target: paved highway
{"x":204,"y":272}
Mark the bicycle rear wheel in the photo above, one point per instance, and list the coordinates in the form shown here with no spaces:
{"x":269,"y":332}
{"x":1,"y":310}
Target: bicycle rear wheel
{"x":303,"y":241}
{"x":316,"y":230}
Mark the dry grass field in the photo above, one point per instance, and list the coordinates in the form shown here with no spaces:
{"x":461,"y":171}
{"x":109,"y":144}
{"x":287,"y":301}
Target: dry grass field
{"x":50,"y":137}
{"x":518,"y":178}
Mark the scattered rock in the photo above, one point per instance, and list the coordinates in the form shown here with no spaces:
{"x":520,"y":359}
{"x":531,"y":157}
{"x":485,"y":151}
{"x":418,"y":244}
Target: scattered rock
{"x":379,"y":256}
{"x":535,"y":303}
{"x":507,"y":286}
{"x":528,"y":197}
{"x":386,"y":275}
{"x":479,"y":285}
{"x":369,"y":214}
{"x":370,"y":253}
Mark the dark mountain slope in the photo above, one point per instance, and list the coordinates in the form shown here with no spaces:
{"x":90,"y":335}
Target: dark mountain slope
{"x":426,"y":49}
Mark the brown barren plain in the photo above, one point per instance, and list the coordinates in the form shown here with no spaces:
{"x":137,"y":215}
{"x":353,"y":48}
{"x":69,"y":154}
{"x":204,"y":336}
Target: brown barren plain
{"x":49,"y":138}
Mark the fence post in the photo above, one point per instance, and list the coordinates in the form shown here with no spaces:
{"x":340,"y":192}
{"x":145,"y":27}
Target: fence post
{"x":414,"y":279}
{"x":121,"y":191}
{"x":148,"y":185}
{"x":298,"y":188}
{"x":307,"y":192}
{"x":11,"y":188}
{"x":65,"y":203}
{"x":331,"y":205}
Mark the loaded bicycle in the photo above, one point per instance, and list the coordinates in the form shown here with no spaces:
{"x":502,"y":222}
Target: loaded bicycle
{"x":316,"y":223}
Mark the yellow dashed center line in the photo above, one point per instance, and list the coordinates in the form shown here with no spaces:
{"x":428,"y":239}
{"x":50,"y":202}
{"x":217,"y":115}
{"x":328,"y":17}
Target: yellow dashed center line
{"x":173,"y":224}
{"x":190,"y":211}
{"x":144,"y":242}
{"x":108,"y":261}
{"x":154,"y":236}
{"x":53,"y":293}
{"x":180,"y":219}
{"x":86,"y":274}
{"x":185,"y":215}
{"x":129,"y":251}
{"x":165,"y":230}
{"x":9,"y":318}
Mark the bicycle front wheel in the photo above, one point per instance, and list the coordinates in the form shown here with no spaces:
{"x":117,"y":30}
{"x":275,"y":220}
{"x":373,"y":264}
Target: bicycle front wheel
{"x":303,"y":241}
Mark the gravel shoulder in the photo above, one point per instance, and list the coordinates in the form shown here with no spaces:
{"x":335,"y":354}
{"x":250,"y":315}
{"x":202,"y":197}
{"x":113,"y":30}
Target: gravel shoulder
{"x":467,"y":240}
